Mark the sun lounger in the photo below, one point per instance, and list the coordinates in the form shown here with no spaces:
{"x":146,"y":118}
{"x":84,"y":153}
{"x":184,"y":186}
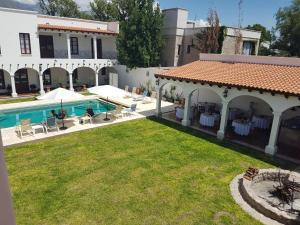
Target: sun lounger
{"x":117,"y":113}
{"x":141,"y":98}
{"x":25,"y":128}
{"x":150,"y":99}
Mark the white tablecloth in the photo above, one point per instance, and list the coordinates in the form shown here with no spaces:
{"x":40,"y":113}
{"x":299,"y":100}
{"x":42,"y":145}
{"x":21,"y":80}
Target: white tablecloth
{"x":240,"y":128}
{"x":207,"y":120}
{"x":179,"y":113}
{"x":261,"y":122}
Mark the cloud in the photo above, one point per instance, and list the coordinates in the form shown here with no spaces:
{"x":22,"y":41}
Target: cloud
{"x":83,"y":4}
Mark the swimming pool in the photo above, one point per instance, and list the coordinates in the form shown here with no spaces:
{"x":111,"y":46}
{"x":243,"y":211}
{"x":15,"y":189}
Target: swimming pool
{"x":38,"y":114}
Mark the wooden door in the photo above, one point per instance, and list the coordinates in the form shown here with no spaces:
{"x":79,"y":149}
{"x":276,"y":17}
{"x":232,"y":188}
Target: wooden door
{"x":21,"y":80}
{"x":46,"y":46}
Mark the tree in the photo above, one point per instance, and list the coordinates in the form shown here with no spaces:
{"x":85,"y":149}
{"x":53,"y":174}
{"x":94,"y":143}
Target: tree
{"x":208,"y":37}
{"x":104,"y":10}
{"x":266,"y":37}
{"x":288,"y":29}
{"x":65,"y":8}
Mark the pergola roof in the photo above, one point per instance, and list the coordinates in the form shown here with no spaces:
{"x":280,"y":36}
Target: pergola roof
{"x":272,"y":78}
{"x":75,"y":29}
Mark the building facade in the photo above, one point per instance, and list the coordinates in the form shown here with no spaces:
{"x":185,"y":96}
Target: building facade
{"x":180,"y":41}
{"x":39,"y":52}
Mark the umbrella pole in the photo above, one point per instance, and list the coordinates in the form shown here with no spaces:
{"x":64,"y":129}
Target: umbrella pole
{"x":106,"y":118}
{"x":63,"y":122}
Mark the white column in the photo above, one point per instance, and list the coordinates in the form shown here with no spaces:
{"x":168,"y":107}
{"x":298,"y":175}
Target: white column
{"x":187,"y":108}
{"x":7,"y":216}
{"x":42,"y":91}
{"x":96,"y":78}
{"x":69,"y":46}
{"x":13,"y":86}
{"x":223,"y":123}
{"x":95,"y":47}
{"x":271,"y":148}
{"x":71,"y":81}
{"x":158,"y":102}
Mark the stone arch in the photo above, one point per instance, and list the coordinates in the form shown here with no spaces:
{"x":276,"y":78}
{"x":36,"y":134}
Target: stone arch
{"x":253,"y":115}
{"x":288,"y":140}
{"x":108,"y":75}
{"x":84,"y":76}
{"x":5,"y":82}
{"x":26,"y":80}
{"x":54,"y":77}
{"x":170,"y":91}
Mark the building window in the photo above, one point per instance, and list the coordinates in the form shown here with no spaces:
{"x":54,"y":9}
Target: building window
{"x":179,"y":50}
{"x":188,"y":50}
{"x":25,"y":43}
{"x":0,"y":50}
{"x":248,"y":48}
{"x":47,"y":77}
{"x":74,"y":46}
{"x":2,"y":81}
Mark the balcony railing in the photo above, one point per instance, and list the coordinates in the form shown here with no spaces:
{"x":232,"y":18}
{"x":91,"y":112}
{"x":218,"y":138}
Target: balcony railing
{"x":63,"y":54}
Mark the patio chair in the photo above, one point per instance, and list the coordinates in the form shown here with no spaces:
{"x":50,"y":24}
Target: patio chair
{"x":117,"y":113}
{"x":150,"y":99}
{"x":129,"y":111}
{"x":51,"y":124}
{"x":127,"y":94}
{"x":25,"y":128}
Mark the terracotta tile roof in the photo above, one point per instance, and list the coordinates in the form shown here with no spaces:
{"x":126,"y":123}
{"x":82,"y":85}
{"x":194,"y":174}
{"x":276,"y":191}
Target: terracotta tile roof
{"x":273,"y":78}
{"x":76,"y":29}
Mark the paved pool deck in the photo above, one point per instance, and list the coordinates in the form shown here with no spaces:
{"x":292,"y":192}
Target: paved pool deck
{"x":10,"y":136}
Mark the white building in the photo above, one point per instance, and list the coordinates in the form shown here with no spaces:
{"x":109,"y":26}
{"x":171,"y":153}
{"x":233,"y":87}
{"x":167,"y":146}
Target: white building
{"x":39,"y":52}
{"x":180,"y":41}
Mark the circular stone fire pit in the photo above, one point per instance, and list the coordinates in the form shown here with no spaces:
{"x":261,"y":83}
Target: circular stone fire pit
{"x":272,"y":193}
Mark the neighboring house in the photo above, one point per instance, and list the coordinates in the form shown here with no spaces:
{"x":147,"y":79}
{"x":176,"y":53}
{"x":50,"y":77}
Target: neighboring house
{"x":180,"y":41}
{"x":39,"y":52}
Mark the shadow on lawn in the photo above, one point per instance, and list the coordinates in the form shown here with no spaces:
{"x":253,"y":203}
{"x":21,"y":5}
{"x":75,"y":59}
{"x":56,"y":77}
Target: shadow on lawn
{"x":225,"y":143}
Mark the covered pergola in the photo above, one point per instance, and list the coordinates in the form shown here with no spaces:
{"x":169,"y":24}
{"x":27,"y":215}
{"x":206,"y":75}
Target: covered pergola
{"x":247,"y":102}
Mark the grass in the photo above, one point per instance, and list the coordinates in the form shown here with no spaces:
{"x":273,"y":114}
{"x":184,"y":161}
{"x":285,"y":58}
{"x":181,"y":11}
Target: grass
{"x":135,"y":173}
{"x":16,"y":100}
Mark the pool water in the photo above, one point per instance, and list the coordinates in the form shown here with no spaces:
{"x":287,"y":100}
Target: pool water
{"x":38,"y":114}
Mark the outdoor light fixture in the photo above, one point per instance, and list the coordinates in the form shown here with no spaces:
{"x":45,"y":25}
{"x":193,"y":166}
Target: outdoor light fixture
{"x":157,"y":81}
{"x":40,"y":67}
{"x":225,"y":93}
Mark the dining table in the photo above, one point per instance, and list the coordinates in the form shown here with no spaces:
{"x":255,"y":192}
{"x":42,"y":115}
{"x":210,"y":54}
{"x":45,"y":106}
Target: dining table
{"x":262,"y":122}
{"x":179,"y":113}
{"x":242,"y":127}
{"x":208,"y":120}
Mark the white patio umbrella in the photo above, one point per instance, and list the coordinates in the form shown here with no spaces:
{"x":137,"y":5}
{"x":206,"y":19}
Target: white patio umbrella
{"x":61,"y":94}
{"x":105,"y":91}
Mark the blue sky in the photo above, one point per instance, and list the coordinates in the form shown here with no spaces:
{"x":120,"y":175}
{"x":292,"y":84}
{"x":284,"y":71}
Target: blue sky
{"x":254,"y":11}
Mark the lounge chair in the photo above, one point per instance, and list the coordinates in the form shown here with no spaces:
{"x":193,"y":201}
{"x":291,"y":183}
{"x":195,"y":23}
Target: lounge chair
{"x":25,"y":128}
{"x":117,"y":113}
{"x":51,"y":124}
{"x":141,"y":98}
{"x":150,"y":99}
{"x":129,"y":111}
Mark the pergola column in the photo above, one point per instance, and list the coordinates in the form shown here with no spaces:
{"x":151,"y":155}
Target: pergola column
{"x":95,"y":47}
{"x":96,"y":77}
{"x":69,"y":46}
{"x":223,"y":123}
{"x":187,"y":108}
{"x":42,"y":91}
{"x":271,"y":148}
{"x":71,"y":81}
{"x":13,"y":86}
{"x":158,"y":102}
{"x":7,"y":216}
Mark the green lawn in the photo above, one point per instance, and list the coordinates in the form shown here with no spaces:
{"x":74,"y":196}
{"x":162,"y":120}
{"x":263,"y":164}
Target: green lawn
{"x":135,"y":173}
{"x":16,"y":100}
